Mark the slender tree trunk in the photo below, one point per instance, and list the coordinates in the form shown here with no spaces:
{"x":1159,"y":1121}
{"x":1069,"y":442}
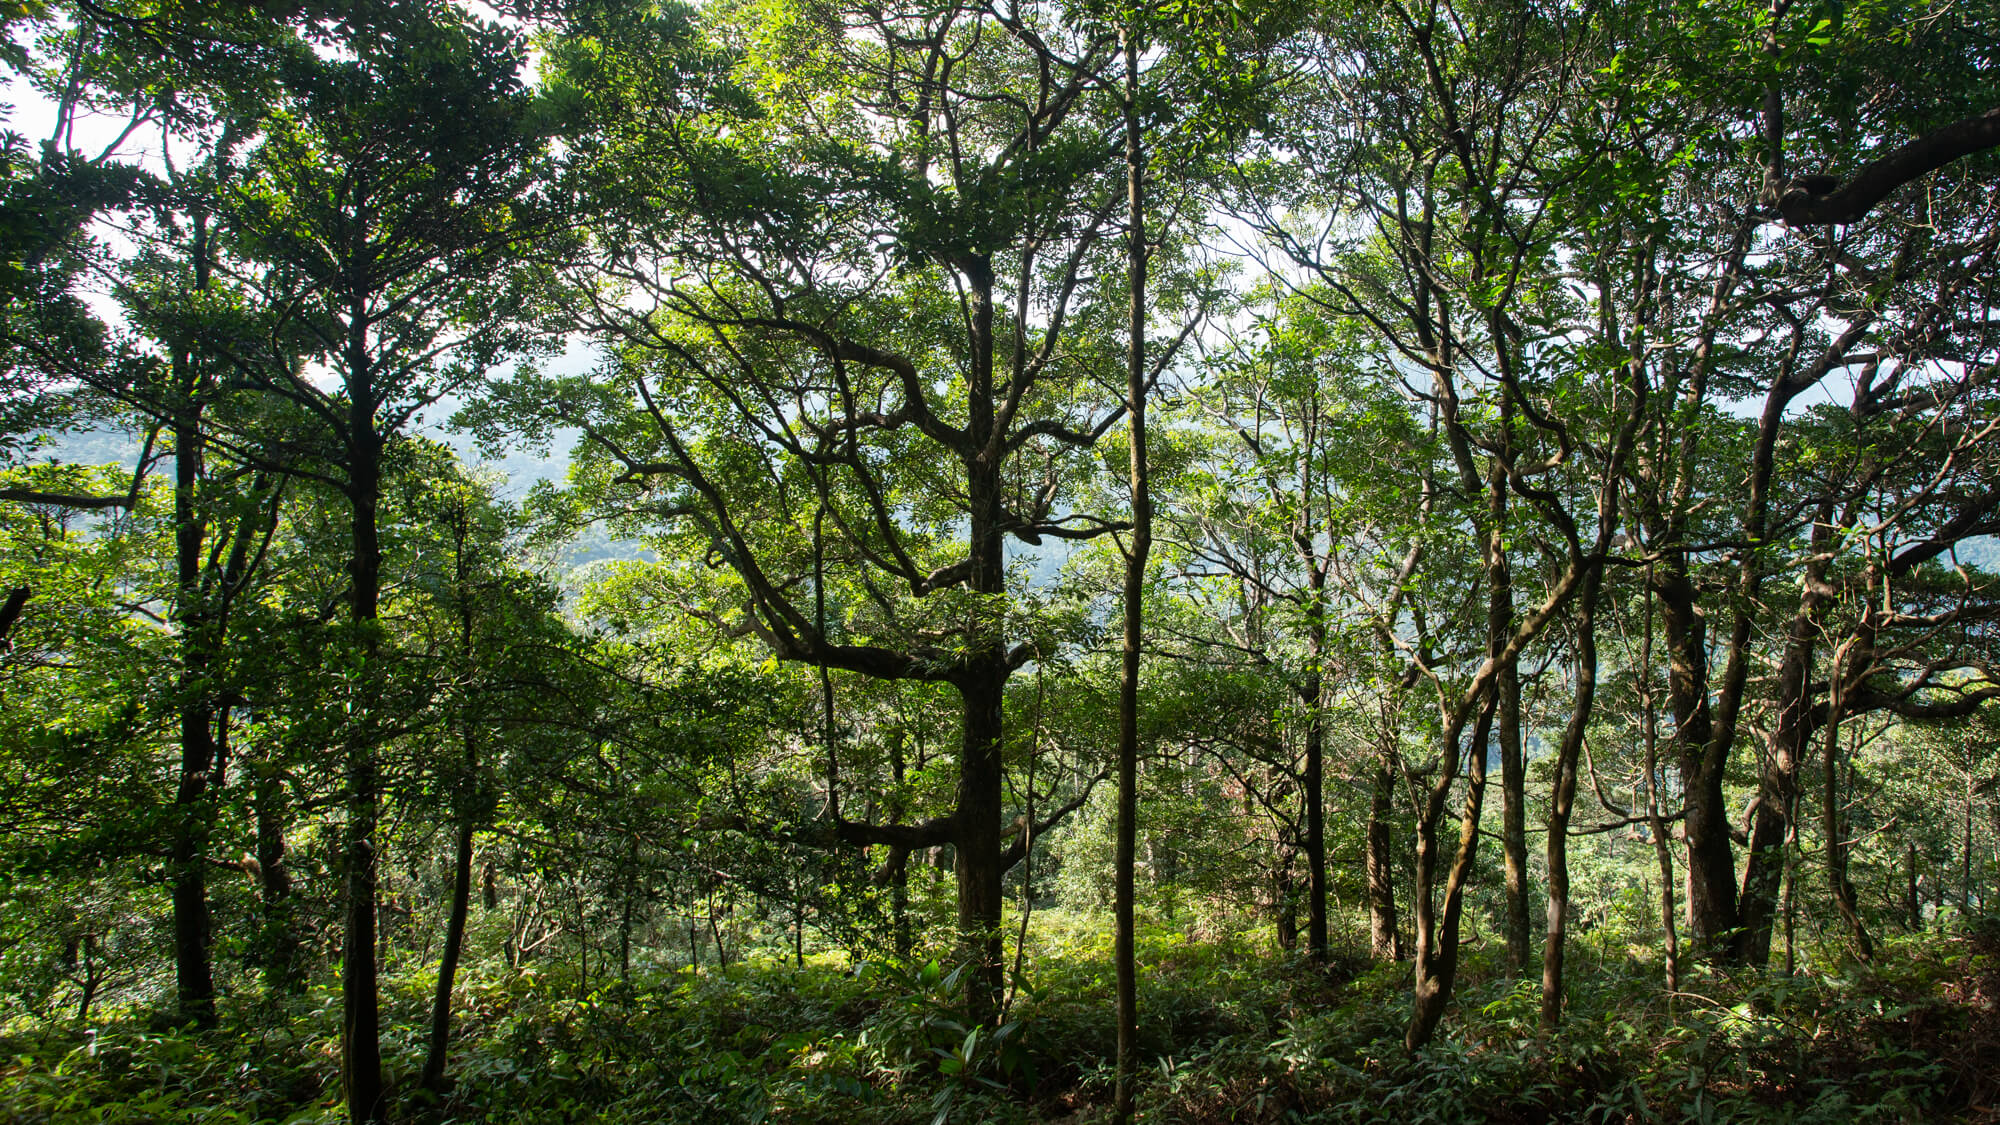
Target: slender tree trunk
{"x":194,"y":981}
{"x":1284,"y":900}
{"x":1562,"y":799}
{"x":1315,"y":810}
{"x":1436,"y":960}
{"x":1791,"y":739}
{"x":1656,"y":822}
{"x":628,"y":915}
{"x":1791,"y":894}
{"x":899,"y":858}
{"x":1830,"y":826}
{"x":1385,"y":941}
{"x":1312,"y":694}
{"x":471,"y":796}
{"x":1965,"y":842}
{"x":361,"y":1047}
{"x":454,"y":944}
{"x":1507,"y":715}
{"x":91,"y":978}
{"x":278,"y":941}
{"x":1912,"y":906}
{"x":1663,"y":855}
{"x":1513,"y":814}
{"x":1135,"y":583}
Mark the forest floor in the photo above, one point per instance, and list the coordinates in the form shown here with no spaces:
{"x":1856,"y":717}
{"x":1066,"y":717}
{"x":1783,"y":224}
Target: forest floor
{"x":1231,"y":1031}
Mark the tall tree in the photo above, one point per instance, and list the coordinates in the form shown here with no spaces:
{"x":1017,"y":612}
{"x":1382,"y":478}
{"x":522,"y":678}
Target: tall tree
{"x":382,"y":212}
{"x":1137,"y":550}
{"x":882,"y":323}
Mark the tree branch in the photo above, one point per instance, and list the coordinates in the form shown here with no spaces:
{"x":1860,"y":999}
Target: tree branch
{"x":1820,"y":201}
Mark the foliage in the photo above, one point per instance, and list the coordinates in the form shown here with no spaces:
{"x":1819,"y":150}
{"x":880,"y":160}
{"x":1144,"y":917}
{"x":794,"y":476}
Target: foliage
{"x":1571,"y":423}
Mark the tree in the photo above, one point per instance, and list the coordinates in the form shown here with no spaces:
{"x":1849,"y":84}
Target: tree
{"x":383,"y":210}
{"x":1139,"y":549}
{"x":920,"y":393}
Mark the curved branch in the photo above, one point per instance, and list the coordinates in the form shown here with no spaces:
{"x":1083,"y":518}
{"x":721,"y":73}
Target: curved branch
{"x":1821,"y":201}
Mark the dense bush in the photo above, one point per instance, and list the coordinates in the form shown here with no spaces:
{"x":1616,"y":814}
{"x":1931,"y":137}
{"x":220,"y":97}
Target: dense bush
{"x":1232,"y":1031}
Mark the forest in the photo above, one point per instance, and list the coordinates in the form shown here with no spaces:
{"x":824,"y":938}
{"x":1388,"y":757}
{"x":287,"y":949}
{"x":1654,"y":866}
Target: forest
{"x":881,"y":561}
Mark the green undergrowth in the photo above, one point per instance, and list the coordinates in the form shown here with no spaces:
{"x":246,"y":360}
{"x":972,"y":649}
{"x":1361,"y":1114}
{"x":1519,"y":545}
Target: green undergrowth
{"x":1231,"y":1031}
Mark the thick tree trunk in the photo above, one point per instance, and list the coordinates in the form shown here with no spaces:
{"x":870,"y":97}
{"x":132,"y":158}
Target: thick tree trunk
{"x":976,"y":850}
{"x":982,"y":679}
{"x":1711,"y":875}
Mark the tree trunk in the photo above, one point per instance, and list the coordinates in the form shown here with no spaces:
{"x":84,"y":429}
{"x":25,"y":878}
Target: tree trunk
{"x":1436,"y":961}
{"x":1513,"y":814}
{"x":472,"y":804}
{"x":976,"y":852}
{"x":278,"y":941}
{"x":1563,"y":797}
{"x":454,"y":943}
{"x":1791,"y":738}
{"x":982,"y":679}
{"x":1912,"y":906}
{"x":1830,"y":826}
{"x":361,"y":1048}
{"x":1315,"y":802}
{"x":194,"y":981}
{"x":1965,"y":843}
{"x":1135,"y":585}
{"x":899,"y":857}
{"x":1656,"y":822}
{"x":1791,"y":897}
{"x":1385,"y":942}
{"x":194,"y":978}
{"x":1284,"y":902}
{"x":1507,"y":686}
{"x":1711,"y":875}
